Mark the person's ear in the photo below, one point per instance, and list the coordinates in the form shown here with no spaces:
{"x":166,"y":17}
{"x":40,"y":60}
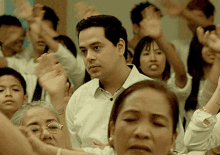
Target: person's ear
{"x":173,"y":139}
{"x":136,"y":28}
{"x":112,"y":131}
{"x":211,"y":18}
{"x":121,"y":46}
{"x":25,"y":99}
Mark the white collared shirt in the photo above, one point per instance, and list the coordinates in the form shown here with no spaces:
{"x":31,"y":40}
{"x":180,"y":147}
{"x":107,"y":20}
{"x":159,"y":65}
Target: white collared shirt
{"x":89,"y":108}
{"x":200,"y":136}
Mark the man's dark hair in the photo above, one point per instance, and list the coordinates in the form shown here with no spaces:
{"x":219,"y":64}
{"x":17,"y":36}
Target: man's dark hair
{"x":17,"y":75}
{"x":136,"y":16}
{"x":9,"y":20}
{"x":51,"y":16}
{"x":112,"y":26}
{"x":204,"y":5}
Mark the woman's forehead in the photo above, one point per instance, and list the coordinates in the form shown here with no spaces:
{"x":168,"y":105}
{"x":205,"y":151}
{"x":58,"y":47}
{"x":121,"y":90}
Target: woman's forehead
{"x":38,"y":114}
{"x":147,"y":100}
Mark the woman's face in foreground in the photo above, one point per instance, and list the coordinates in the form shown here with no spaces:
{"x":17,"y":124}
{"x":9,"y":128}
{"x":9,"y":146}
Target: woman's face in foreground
{"x":39,"y":117}
{"x":144,"y":125}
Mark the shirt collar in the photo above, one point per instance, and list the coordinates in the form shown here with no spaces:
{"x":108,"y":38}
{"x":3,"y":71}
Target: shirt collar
{"x":132,"y":78}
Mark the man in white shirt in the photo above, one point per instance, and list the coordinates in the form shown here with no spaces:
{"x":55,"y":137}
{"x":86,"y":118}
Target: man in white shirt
{"x":103,"y":42}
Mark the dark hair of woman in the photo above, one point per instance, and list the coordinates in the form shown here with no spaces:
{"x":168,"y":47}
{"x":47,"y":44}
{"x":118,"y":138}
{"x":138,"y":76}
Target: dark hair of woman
{"x":195,"y":65}
{"x":147,"y":41}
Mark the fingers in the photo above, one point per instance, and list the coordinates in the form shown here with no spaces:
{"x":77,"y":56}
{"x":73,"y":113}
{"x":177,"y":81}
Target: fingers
{"x":150,"y":13}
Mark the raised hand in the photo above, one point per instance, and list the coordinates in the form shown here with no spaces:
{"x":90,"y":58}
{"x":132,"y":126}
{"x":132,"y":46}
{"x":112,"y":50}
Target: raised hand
{"x":51,"y":74}
{"x":150,"y":25}
{"x":23,"y":9}
{"x":210,"y":39}
{"x":171,"y":8}
{"x":84,"y":11}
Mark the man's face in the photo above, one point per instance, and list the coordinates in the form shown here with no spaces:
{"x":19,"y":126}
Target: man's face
{"x":13,"y":38}
{"x":192,"y":25}
{"x":36,"y":37}
{"x":100,"y":56}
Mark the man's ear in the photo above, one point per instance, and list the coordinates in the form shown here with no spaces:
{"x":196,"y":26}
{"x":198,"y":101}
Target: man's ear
{"x":25,"y":99}
{"x":112,"y":131}
{"x":121,"y":46}
{"x":211,"y":18}
{"x":136,"y":28}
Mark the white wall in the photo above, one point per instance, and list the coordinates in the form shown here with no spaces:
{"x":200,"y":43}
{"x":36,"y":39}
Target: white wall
{"x":2,"y":7}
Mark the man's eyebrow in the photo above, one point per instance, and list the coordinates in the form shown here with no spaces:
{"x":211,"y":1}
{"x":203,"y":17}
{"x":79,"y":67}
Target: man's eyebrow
{"x":92,"y":44}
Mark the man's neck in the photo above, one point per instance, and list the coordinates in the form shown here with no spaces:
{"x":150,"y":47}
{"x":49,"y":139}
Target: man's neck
{"x":116,"y":80}
{"x":37,"y":54}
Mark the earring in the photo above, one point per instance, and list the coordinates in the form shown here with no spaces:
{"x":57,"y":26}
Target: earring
{"x":171,"y":151}
{"x":110,"y":139}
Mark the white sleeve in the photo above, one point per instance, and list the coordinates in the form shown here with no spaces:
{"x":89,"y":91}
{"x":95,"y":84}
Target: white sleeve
{"x":74,"y":72}
{"x":202,"y":137}
{"x":182,"y":93}
{"x":74,"y":138}
{"x":17,"y":64}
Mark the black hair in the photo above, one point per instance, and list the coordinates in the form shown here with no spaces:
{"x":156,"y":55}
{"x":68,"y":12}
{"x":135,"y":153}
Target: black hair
{"x":136,"y":16}
{"x":112,"y":26}
{"x":146,"y":42}
{"x":204,"y":5}
{"x":51,"y":16}
{"x":65,"y":40}
{"x":9,"y":20}
{"x":17,"y":75}
{"x":195,"y":64}
{"x":159,"y":86}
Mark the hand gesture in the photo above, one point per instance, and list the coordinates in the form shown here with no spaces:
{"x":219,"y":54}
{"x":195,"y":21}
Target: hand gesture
{"x":84,"y":11}
{"x":150,"y":25}
{"x":99,"y":145}
{"x":171,"y":8}
{"x":23,"y":9}
{"x":210,"y":39}
{"x":51,"y":74}
{"x":35,"y":142}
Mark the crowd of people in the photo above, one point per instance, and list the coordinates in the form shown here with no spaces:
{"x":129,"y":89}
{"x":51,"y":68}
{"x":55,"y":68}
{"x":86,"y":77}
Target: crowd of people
{"x":139,"y":96}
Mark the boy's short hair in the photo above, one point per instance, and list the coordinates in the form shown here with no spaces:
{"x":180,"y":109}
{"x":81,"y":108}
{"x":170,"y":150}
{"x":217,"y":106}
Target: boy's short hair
{"x":51,"y":16}
{"x":17,"y":75}
{"x":136,"y":16}
{"x":204,"y":5}
{"x":9,"y":20}
{"x":112,"y":26}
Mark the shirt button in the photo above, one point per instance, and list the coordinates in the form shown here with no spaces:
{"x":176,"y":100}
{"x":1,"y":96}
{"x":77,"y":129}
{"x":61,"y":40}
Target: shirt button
{"x":111,"y":99}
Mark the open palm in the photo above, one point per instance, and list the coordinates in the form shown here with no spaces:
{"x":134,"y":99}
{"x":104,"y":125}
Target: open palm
{"x":51,"y":74}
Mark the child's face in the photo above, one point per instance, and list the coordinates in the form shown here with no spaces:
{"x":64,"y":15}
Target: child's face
{"x":11,"y":94}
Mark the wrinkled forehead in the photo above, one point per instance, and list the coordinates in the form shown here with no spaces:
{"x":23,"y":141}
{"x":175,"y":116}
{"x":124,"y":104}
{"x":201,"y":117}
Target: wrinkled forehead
{"x":38,"y":115}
